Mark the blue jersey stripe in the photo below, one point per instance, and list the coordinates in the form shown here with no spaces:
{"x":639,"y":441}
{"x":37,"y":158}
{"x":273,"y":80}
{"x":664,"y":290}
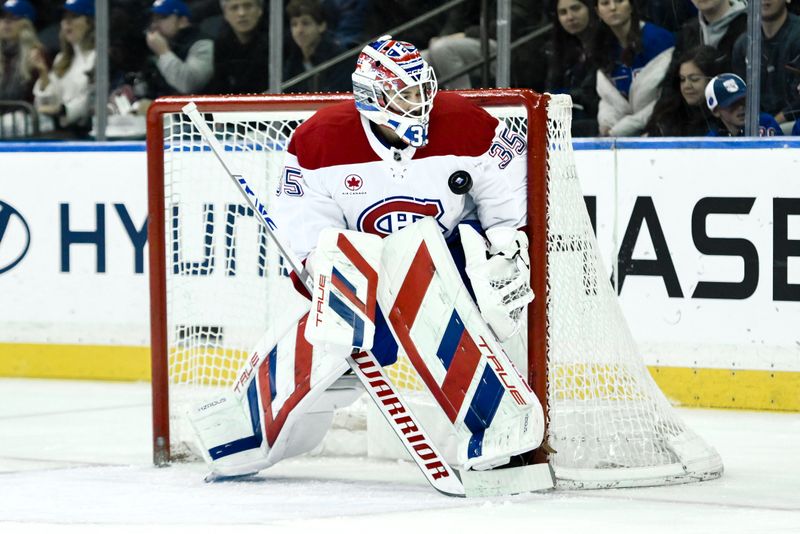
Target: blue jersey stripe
{"x":482,"y":409}
{"x":452,"y":336}
{"x":250,"y":442}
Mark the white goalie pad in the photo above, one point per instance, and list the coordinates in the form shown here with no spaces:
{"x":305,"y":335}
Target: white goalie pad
{"x":344,"y":267}
{"x":281,"y":405}
{"x":488,"y":411}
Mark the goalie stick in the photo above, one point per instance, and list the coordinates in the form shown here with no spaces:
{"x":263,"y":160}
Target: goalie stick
{"x":384,"y":394}
{"x":363,"y":363}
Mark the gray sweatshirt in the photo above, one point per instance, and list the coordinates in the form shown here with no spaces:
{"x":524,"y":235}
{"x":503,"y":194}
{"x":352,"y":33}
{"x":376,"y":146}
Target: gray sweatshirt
{"x":713,"y":32}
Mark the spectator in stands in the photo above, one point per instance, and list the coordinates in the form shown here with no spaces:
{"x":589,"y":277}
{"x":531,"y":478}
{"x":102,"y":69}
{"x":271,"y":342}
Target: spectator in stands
{"x":633,"y":57}
{"x":17,"y":42}
{"x":459,"y":43}
{"x":183,"y":56}
{"x":669,"y":14}
{"x":63,"y":95}
{"x":718,"y":23}
{"x":681,"y":110}
{"x":780,"y":46}
{"x":128,"y":51}
{"x":311,"y":45}
{"x":568,"y":67}
{"x":241,"y":52}
{"x":346,"y":21}
{"x":726,"y":96}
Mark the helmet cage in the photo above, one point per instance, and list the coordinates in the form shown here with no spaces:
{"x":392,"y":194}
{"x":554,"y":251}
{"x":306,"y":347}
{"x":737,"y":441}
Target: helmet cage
{"x":414,"y":101}
{"x":390,"y":95}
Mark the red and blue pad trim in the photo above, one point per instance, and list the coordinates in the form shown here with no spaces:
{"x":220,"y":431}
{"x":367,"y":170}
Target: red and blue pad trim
{"x":265,"y":387}
{"x":347,"y":309}
{"x":482,"y":409}
{"x":348,"y":314}
{"x":250,"y":442}
{"x":275,"y":417}
{"x":457,"y":352}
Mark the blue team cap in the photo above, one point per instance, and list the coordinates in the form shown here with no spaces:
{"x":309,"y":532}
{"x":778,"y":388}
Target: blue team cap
{"x":80,"y":7}
{"x":724,"y":91}
{"x":166,"y":8}
{"x":20,"y":8}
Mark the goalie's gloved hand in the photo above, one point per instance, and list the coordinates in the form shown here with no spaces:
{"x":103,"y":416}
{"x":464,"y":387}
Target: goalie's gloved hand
{"x":500,"y":276}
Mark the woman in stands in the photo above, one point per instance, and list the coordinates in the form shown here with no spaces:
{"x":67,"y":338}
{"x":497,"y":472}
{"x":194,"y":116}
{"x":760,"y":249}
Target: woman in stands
{"x":681,"y":111}
{"x":17,"y":41}
{"x":63,"y":94}
{"x":568,"y":68}
{"x":632,"y":57}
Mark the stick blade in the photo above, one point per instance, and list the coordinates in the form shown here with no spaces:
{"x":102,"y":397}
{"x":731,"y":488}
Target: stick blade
{"x":511,"y":481}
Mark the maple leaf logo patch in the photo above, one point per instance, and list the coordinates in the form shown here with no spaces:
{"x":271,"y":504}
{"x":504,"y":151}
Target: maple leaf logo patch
{"x":353,"y":182}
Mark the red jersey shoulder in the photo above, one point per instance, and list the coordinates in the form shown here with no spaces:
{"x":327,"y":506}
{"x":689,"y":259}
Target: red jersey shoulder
{"x":458,"y":127}
{"x":332,"y":136}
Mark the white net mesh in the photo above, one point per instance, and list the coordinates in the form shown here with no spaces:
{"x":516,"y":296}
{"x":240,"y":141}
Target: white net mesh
{"x":606,"y":412}
{"x":609,"y":423}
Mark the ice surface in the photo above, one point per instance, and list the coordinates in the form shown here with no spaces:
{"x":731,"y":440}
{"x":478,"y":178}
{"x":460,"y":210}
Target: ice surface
{"x":76,"y":457}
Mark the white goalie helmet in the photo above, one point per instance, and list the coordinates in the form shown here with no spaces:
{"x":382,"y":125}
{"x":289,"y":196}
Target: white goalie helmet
{"x":394,"y":86}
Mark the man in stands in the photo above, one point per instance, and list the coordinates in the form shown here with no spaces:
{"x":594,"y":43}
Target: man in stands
{"x":726,"y":96}
{"x":312,"y":44}
{"x":411,"y":166}
{"x":241,"y":52}
{"x":183,"y":57}
{"x":718,"y":24}
{"x":780,"y":46}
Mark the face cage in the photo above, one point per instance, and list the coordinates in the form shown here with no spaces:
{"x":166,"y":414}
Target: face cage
{"x":396,"y":104}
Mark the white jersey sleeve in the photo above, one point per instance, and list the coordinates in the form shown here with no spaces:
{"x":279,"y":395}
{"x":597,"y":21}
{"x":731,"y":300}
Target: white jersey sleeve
{"x":500,"y":193}
{"x":303,"y":207}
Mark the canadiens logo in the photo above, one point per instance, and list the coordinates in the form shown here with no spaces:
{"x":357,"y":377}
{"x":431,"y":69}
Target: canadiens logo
{"x":353,"y":182}
{"x":394,"y":213}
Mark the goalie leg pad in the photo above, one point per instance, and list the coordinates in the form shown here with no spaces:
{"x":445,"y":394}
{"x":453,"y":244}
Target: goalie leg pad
{"x":285,"y":411}
{"x":487,"y":408}
{"x":344,"y":266}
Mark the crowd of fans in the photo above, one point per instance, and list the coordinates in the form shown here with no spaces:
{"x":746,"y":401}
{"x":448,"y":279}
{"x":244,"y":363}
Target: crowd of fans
{"x":632,"y":67}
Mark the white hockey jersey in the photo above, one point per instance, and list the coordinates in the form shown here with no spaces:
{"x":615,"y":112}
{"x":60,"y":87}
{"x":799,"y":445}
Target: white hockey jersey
{"x":339,"y":174}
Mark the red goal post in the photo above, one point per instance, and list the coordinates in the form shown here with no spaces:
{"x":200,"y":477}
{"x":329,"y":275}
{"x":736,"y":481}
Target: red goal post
{"x":571,"y":366}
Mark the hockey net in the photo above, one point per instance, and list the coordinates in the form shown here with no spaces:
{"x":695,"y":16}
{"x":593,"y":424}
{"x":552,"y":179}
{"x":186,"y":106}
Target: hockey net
{"x":217,"y":282}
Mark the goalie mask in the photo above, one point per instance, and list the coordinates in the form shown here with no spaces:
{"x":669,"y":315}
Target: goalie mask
{"x":393,"y":86}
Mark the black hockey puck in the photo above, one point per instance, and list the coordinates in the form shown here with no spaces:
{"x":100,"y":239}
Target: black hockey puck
{"x":460,"y":182}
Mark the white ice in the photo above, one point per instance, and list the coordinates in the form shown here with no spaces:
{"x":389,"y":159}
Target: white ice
{"x":76,"y":457}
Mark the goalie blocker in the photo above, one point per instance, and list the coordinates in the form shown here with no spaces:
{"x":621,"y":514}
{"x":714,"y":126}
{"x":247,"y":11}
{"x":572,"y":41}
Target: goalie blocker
{"x":285,"y":397}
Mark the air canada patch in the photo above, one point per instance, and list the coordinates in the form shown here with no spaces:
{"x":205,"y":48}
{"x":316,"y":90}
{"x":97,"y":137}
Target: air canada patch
{"x":353,"y":182}
{"x":395,"y":213}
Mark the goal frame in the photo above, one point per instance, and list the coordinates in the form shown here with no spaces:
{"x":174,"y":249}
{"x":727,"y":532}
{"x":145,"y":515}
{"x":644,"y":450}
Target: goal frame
{"x":535,"y":105}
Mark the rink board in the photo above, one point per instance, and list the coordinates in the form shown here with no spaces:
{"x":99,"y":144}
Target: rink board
{"x":74,"y":286}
